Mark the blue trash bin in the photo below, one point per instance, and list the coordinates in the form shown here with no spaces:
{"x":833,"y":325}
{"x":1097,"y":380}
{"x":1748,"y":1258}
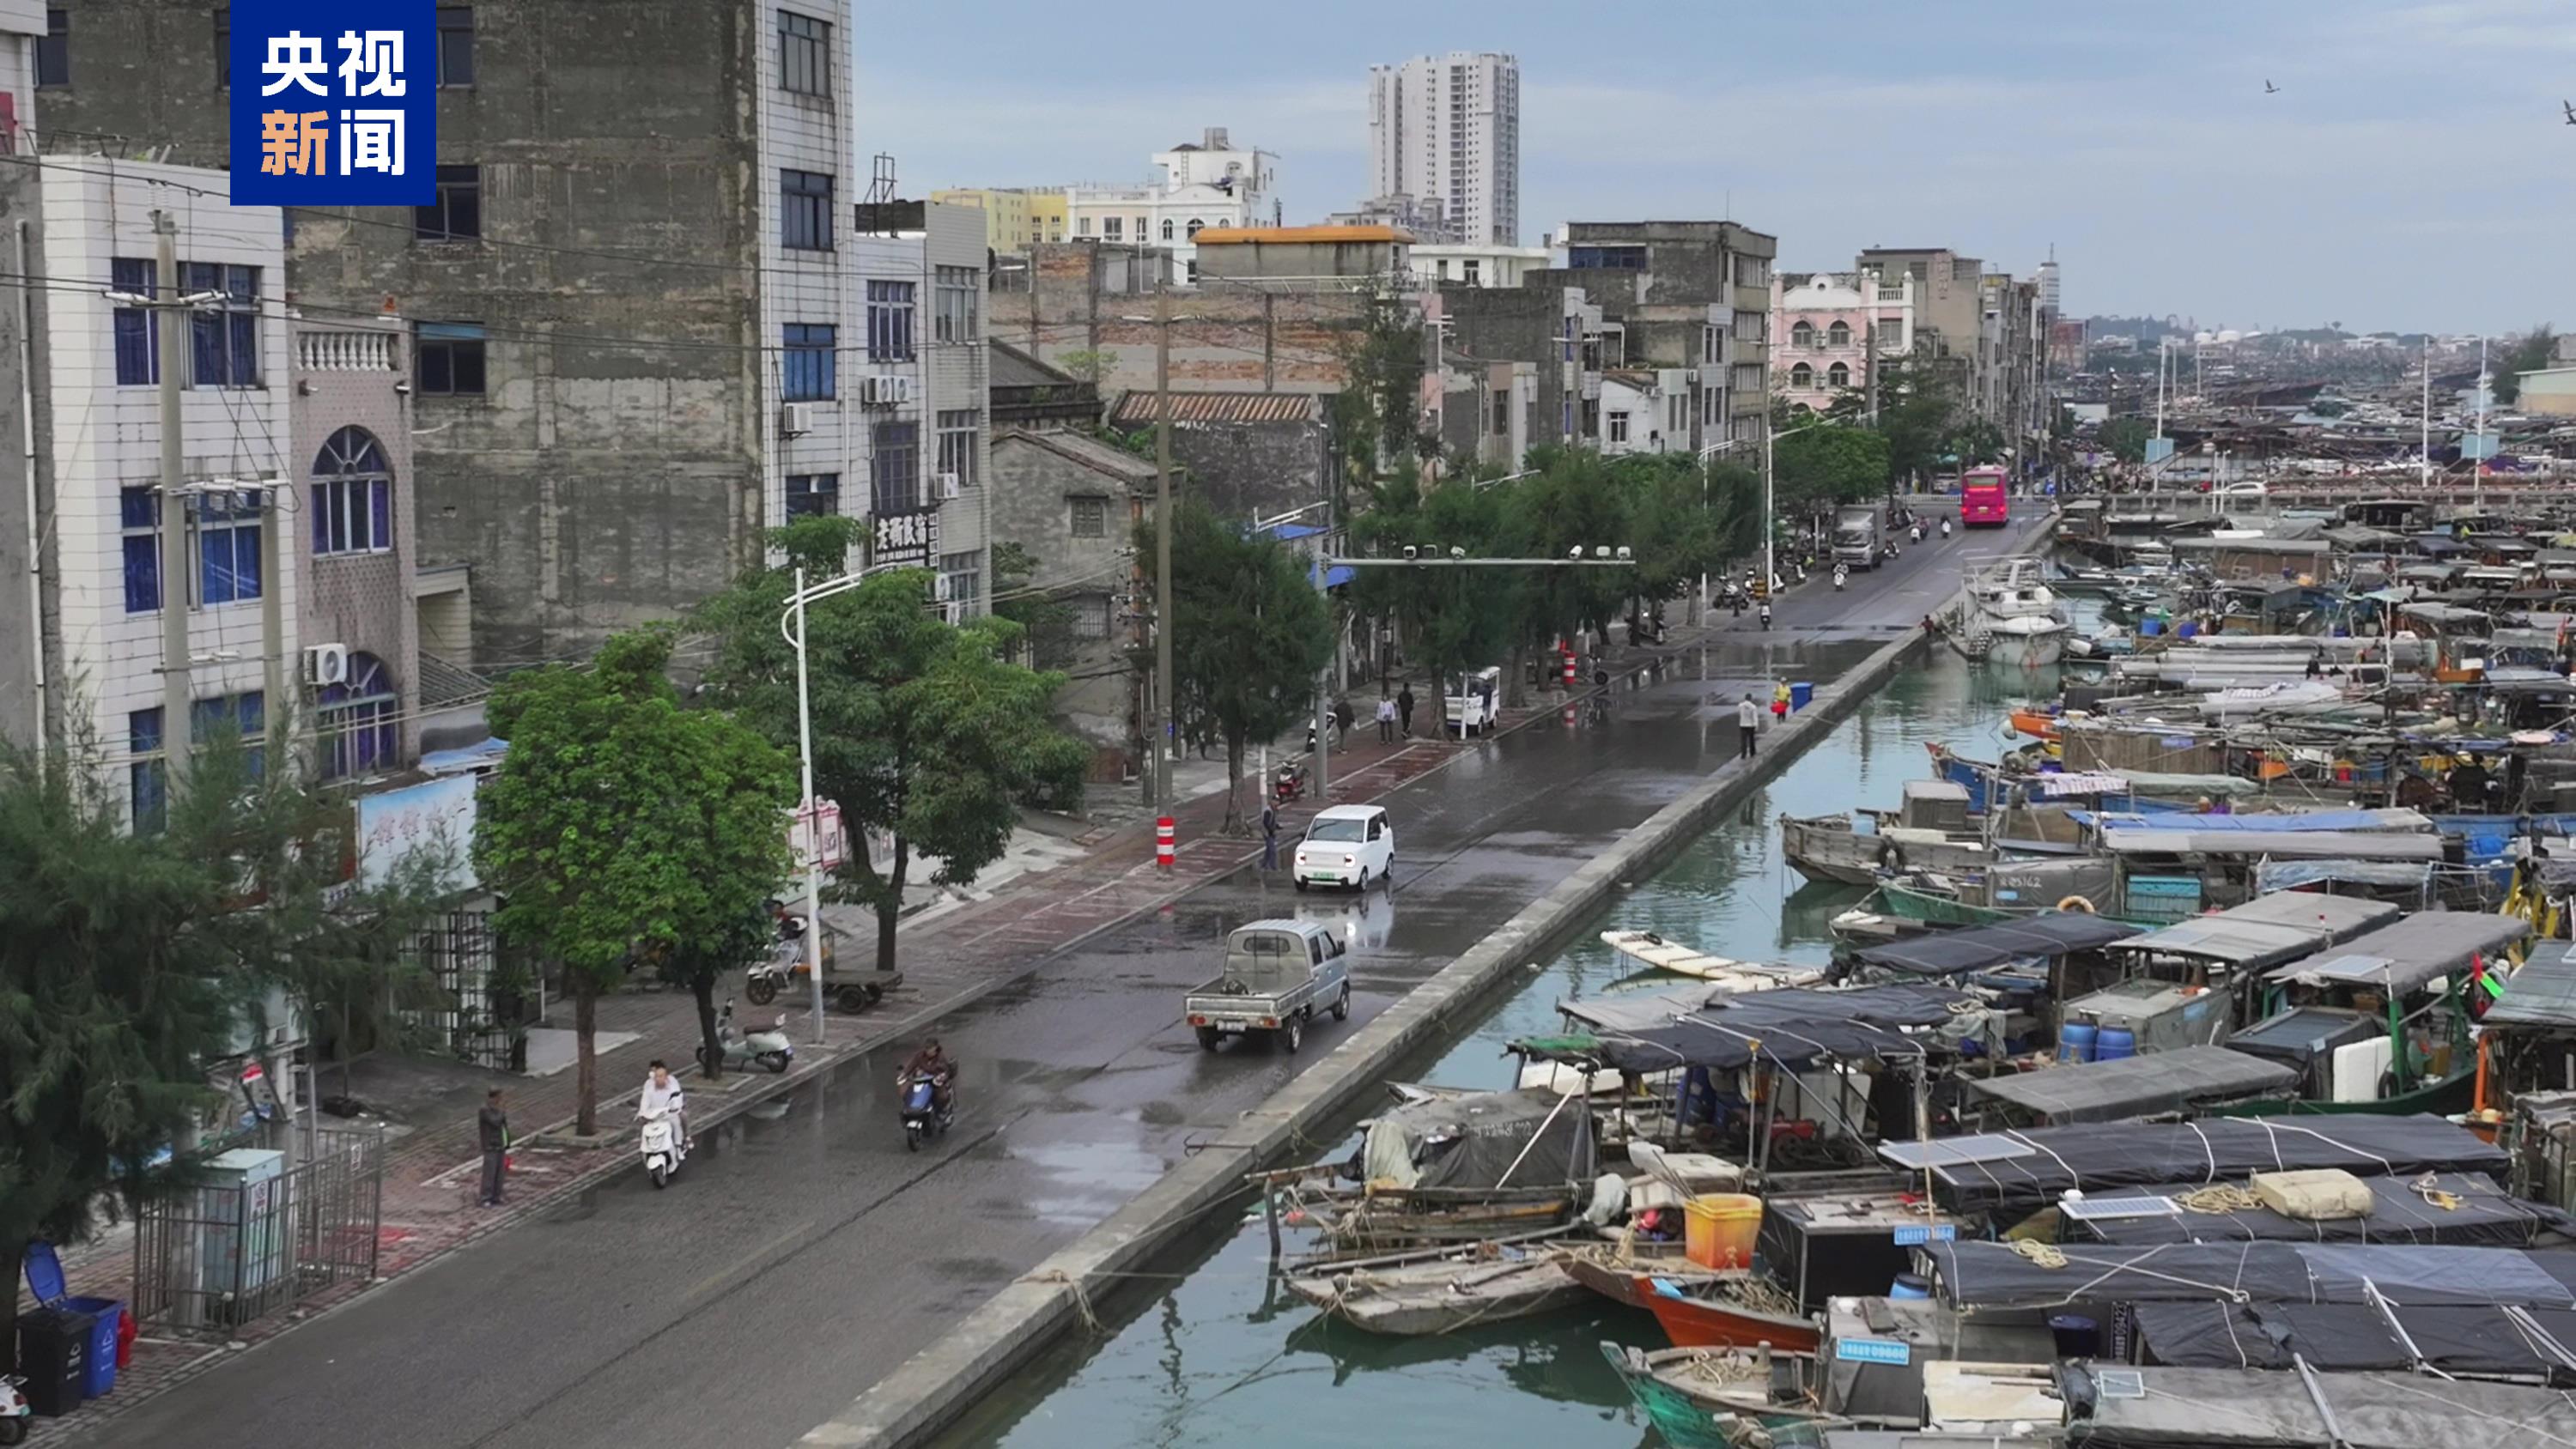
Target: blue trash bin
{"x":45,"y":1280}
{"x":1801,"y":694}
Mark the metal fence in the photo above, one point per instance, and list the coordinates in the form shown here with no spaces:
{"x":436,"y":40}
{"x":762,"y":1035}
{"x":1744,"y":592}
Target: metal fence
{"x":256,"y":1239}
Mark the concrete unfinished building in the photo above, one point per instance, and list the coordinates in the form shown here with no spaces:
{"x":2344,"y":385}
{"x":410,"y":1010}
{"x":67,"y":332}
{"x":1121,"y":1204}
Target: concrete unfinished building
{"x":638,"y":199}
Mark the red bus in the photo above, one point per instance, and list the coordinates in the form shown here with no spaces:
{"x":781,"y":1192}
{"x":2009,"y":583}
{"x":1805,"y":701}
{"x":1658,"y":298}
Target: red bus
{"x":1981,"y":498}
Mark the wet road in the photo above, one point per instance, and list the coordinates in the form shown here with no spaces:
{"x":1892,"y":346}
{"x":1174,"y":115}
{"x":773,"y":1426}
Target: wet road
{"x":804,"y":1253}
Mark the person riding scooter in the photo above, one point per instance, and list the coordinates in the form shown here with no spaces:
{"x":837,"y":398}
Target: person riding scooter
{"x":662,"y":1094}
{"x":1766,"y":613}
{"x":1842,"y":575}
{"x":1916,"y":533}
{"x":1945,"y":526}
{"x":934,"y":1063}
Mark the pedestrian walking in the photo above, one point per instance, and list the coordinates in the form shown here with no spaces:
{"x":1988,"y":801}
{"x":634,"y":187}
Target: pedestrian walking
{"x":1269,"y":835}
{"x":493,"y":1127}
{"x":1404,"y":707}
{"x":1385,"y":720}
{"x":1748,"y":725}
{"x":1343,"y":714}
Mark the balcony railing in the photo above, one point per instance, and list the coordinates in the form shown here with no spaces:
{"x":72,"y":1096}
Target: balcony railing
{"x":345,"y":352}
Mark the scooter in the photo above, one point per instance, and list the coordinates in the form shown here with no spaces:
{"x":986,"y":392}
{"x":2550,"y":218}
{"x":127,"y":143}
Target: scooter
{"x":14,"y":1412}
{"x":1917,"y":532}
{"x":1841,"y":576}
{"x":1945,"y":528}
{"x":663,"y":1149}
{"x":922,"y":1114}
{"x":1289,"y":783}
{"x":1766,"y":615}
{"x":740,"y":1051}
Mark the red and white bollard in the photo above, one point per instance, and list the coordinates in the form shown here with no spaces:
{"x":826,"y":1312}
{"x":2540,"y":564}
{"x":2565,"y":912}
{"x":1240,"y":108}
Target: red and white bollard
{"x":1569,"y":668}
{"x":1163,"y":842}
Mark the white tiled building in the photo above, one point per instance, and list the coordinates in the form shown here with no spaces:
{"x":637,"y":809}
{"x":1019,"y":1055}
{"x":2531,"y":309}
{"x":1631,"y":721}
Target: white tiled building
{"x":98,"y":426}
{"x":1210,"y":184}
{"x":806,"y":303}
{"x":915,"y":390}
{"x":1447,"y":129}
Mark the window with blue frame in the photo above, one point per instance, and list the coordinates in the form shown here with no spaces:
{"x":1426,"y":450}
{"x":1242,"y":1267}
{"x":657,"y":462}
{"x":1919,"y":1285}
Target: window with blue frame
{"x":243,"y":715}
{"x":812,"y":495}
{"x":139,"y":512}
{"x":1605,"y":257}
{"x":228,"y":527}
{"x":223,"y":346}
{"x":136,"y":359}
{"x":353,"y":496}
{"x":146,"y":780}
{"x":811,"y":375}
{"x":357,"y":722}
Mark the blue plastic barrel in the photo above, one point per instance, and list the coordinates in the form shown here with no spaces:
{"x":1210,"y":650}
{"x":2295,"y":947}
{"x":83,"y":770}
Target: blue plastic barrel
{"x":2075,"y":1042}
{"x":2076,"y":1336}
{"x":2151,"y":626}
{"x":2116,"y":1042}
{"x":1910,"y":1285}
{"x":2187,"y":629}
{"x":1801,"y":694}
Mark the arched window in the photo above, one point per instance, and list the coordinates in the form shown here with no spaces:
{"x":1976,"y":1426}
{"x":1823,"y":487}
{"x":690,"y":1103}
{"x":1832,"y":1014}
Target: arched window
{"x":353,"y":496}
{"x":1839,"y":334}
{"x":1803,"y":335}
{"x":1167,"y":228}
{"x":1839,"y":375}
{"x":1802,"y":376}
{"x":1195,"y":224}
{"x":357,"y":721}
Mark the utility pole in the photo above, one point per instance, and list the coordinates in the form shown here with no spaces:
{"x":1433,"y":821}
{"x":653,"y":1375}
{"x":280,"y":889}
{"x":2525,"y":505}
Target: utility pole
{"x":1165,"y":730}
{"x":174,"y":507}
{"x":2424,"y":445}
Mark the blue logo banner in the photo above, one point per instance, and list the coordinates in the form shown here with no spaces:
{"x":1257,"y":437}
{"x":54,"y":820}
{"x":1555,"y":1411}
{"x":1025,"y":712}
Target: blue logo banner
{"x":334,"y":104}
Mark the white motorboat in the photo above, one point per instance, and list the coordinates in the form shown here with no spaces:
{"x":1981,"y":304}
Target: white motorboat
{"x":2012,"y":616}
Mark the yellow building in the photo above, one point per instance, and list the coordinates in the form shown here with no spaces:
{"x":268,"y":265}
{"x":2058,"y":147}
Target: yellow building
{"x":1013,"y":217}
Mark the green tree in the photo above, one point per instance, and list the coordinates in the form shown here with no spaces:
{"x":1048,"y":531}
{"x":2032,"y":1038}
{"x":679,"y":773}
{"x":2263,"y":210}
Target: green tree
{"x":1090,"y":364}
{"x":622,"y":829}
{"x":131,"y":960}
{"x":924,"y":732}
{"x":1249,"y":634}
{"x":2125,"y":438}
{"x":1674,"y":529}
{"x":2528,"y":353}
{"x":1378,"y":412}
{"x":1916,"y":408}
{"x":1453,"y":619}
{"x":1825,"y":465}
{"x":1570,"y":500}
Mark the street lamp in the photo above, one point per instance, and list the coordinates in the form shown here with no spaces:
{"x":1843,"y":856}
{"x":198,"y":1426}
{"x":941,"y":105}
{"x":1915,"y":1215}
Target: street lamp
{"x":795,"y":614}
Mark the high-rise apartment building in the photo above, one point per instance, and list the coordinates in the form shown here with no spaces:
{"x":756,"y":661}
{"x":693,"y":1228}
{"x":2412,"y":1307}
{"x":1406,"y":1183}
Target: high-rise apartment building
{"x":1446,"y":130}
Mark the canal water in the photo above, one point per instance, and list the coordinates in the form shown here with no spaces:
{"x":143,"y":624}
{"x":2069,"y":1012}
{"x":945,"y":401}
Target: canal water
{"x":1216,"y":1359}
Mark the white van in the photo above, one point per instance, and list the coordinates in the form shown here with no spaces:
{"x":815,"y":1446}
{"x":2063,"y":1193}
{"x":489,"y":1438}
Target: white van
{"x":1471,"y":702}
{"x":1348,"y":845}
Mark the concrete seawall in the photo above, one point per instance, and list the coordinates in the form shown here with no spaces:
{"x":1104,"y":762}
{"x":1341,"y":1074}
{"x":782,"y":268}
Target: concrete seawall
{"x":942,"y":1381}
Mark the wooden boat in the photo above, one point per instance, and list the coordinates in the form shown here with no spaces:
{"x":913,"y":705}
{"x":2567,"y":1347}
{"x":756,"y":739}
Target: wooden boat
{"x":1718,"y":1313}
{"x":1699,"y":1399}
{"x":1417,"y":1294}
{"x":1626,"y":1273}
{"x":1653,"y":951}
{"x":1829,"y":848}
{"x":2036,"y":722}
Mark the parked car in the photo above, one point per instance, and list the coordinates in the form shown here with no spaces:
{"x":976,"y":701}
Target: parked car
{"x":1276,"y":973}
{"x":1348,"y":845}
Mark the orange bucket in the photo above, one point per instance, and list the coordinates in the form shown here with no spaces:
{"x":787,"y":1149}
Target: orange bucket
{"x":1719,"y":1229}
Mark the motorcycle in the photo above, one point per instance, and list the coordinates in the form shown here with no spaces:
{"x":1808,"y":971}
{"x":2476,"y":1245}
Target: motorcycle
{"x":739,"y":1051}
{"x":1945,"y":528}
{"x":14,"y":1411}
{"x":1289,"y":783}
{"x":664,"y":1151}
{"x":1766,"y":615}
{"x":922,"y":1114}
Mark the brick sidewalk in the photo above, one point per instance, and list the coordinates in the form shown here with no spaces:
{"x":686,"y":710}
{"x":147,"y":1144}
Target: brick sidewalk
{"x":430,"y":1174}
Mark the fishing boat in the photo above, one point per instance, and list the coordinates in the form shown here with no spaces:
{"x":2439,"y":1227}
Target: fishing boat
{"x":1929,"y":830}
{"x":1699,"y":1399}
{"x":1698,"y":1307}
{"x":1413,"y":1295}
{"x":2012,"y":616}
{"x":1445,"y":1172}
{"x":1656,"y":953}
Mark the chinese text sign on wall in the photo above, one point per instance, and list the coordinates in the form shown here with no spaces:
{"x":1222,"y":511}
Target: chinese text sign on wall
{"x":334,"y":104}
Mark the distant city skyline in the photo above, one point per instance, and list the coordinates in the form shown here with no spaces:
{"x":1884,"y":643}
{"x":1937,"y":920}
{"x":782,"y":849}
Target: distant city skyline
{"x":2366,"y":189}
{"x":1446,"y":130}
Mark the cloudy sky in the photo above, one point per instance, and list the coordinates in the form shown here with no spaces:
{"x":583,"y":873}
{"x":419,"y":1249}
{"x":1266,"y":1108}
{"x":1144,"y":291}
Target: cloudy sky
{"x":2412,"y":172}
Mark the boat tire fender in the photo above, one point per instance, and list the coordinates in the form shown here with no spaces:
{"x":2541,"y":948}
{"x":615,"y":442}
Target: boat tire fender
{"x":2079,"y":904}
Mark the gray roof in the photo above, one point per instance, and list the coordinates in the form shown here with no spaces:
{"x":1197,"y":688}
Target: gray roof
{"x":444,"y":685}
{"x":2542,"y":993}
{"x":2271,"y":929}
{"x":1010,"y":367}
{"x":2135,"y":1086}
{"x":2408,"y":953}
{"x":2308,"y":844}
{"x":1115,"y":464}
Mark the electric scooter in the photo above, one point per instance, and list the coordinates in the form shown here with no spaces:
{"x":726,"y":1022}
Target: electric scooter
{"x":739,"y":1051}
{"x":1841,"y":575}
{"x":663,"y":1149}
{"x":922,"y":1114}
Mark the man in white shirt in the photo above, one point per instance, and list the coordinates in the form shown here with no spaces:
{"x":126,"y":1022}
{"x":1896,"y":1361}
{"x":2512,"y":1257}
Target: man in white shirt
{"x":1748,"y":724}
{"x":662,"y":1093}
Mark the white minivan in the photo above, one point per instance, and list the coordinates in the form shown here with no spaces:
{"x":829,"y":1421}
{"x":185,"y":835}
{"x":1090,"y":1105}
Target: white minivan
{"x":1348,"y":845}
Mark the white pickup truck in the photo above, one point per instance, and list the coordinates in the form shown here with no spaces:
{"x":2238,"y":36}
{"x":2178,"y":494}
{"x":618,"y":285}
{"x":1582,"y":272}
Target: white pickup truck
{"x":1277,"y":972}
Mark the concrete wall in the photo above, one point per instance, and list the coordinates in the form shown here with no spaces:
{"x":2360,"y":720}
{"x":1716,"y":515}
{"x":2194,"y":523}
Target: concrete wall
{"x":347,"y":374}
{"x":1095,"y":298}
{"x":1518,"y":325}
{"x":1037,"y":479}
{"x":613,"y":472}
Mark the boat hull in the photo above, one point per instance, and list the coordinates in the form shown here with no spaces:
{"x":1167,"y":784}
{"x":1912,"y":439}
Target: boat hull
{"x":1714,"y":1323}
{"x":1828,"y":849}
{"x":1692,"y":1412}
{"x":1434,"y":1298}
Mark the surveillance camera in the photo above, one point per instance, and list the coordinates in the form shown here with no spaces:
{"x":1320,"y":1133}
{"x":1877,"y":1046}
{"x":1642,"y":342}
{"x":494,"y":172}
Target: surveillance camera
{"x":1408,"y":553}
{"x":1623,"y":550}
{"x":1601,"y":550}
{"x":1456,"y":552}
{"x":1576,"y":552}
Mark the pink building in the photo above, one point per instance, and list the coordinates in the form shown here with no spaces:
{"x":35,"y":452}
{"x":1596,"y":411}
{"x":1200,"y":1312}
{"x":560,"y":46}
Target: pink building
{"x":1822,"y":325}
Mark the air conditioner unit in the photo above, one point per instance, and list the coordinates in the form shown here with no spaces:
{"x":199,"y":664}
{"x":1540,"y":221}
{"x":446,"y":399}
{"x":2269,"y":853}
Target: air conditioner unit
{"x":948,"y":486}
{"x":326,"y":664}
{"x":939,"y":589}
{"x":796,"y":419}
{"x":886,"y":389}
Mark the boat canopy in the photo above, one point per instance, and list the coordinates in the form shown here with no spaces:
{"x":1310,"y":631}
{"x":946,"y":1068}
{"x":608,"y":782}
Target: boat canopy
{"x":1484,"y":1140}
{"x":2480,"y":1214}
{"x":2542,"y":993}
{"x":2267,"y":930}
{"x":2028,"y":1169}
{"x":1974,"y":1274}
{"x":2049,"y":934}
{"x":2363,"y":822}
{"x":2283,"y":875}
{"x":2316,"y":844}
{"x":2137,"y":1086}
{"x":2342,"y":1338}
{"x":2408,"y":954}
{"x":1788,"y":1027}
{"x":2251,"y":1409}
